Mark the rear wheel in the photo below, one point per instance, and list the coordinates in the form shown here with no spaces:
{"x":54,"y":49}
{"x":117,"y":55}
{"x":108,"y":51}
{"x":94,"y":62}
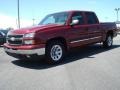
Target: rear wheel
{"x":55,"y":52}
{"x":108,"y":42}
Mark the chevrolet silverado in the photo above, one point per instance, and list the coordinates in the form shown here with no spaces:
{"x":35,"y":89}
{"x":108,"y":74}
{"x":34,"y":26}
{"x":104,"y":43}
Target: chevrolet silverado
{"x":57,"y":33}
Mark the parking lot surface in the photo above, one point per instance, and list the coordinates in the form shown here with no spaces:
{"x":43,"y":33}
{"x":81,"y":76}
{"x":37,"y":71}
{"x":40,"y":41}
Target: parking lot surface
{"x":89,"y":68}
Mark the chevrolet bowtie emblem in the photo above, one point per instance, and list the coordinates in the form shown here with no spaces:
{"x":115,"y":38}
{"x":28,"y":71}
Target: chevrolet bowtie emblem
{"x":12,"y":39}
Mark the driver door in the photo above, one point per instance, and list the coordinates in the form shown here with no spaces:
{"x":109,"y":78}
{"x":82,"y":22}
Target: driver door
{"x":78,"y":34}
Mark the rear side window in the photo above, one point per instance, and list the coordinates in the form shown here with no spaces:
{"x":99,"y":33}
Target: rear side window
{"x":91,"y":18}
{"x":78,"y":16}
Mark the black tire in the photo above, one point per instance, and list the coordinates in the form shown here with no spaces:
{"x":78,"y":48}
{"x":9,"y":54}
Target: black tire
{"x":55,"y":52}
{"x":108,"y":42}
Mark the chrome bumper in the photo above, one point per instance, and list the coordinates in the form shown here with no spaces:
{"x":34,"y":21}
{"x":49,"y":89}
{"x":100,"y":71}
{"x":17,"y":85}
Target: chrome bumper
{"x":40,"y":51}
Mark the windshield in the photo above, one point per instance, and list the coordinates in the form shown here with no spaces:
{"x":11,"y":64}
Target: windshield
{"x":57,"y":18}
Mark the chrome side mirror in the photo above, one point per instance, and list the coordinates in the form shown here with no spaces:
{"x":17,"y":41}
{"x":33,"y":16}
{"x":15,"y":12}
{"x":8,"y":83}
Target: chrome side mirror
{"x":74,"y":22}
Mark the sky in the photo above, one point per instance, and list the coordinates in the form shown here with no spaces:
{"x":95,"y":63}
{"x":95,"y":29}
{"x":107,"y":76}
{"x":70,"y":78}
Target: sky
{"x":38,"y":9}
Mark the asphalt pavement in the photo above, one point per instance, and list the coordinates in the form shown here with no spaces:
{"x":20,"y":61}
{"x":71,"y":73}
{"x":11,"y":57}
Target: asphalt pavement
{"x":88,"y":68}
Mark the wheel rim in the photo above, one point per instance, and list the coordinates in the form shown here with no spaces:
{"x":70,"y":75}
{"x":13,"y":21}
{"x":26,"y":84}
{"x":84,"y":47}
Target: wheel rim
{"x":110,"y":41}
{"x":56,"y":52}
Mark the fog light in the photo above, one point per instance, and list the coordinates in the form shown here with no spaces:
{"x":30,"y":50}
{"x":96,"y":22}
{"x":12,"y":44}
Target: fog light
{"x":28,"y":42}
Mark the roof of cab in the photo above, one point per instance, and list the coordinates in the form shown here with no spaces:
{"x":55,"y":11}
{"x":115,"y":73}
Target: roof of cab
{"x":77,"y":11}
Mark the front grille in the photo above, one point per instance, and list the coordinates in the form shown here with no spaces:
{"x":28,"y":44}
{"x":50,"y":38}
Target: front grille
{"x":15,"y":39}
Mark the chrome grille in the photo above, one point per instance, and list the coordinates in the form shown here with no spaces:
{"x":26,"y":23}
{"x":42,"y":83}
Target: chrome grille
{"x":15,"y":39}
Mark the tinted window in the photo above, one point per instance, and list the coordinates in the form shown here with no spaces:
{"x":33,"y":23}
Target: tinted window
{"x":91,"y":18}
{"x":78,"y":16}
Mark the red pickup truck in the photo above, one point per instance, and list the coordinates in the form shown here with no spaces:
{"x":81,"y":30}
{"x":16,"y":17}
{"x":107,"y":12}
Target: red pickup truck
{"x":57,"y":33}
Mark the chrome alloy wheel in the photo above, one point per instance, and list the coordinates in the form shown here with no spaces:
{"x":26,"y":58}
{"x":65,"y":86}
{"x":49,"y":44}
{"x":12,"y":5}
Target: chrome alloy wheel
{"x":109,"y":41}
{"x":56,"y":52}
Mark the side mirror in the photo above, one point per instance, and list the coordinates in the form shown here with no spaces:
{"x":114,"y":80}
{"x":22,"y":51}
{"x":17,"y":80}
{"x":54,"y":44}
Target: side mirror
{"x":74,"y":22}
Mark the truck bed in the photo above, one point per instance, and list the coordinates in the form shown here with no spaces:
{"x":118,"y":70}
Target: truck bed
{"x":108,"y":25}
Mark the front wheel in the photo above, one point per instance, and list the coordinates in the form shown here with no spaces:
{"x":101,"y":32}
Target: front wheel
{"x":108,"y":42}
{"x":55,"y":52}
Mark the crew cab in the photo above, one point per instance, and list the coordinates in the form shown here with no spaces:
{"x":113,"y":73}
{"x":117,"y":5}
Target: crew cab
{"x":57,"y":33}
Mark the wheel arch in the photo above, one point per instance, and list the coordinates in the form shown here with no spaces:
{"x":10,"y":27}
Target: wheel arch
{"x":61,"y":39}
{"x":110,"y":33}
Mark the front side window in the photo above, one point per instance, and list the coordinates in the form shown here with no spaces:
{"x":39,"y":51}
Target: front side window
{"x":58,"y":18}
{"x":78,"y":16}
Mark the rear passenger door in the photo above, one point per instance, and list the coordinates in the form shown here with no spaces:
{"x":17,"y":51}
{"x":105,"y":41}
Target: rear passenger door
{"x":93,"y":27}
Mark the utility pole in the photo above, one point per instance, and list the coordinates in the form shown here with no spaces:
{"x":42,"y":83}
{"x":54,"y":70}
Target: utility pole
{"x":18,"y":9}
{"x":106,"y":18}
{"x":33,"y":21}
{"x":117,"y":13}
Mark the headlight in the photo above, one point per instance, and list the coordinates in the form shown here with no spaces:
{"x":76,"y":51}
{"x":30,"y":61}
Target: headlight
{"x":28,"y":38}
{"x":29,"y":35}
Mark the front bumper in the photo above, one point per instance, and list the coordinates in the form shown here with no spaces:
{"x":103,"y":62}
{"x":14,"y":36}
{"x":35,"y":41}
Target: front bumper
{"x":25,"y":50}
{"x":40,"y":51}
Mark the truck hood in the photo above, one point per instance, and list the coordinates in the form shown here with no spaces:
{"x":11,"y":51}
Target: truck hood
{"x":34,"y":29}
